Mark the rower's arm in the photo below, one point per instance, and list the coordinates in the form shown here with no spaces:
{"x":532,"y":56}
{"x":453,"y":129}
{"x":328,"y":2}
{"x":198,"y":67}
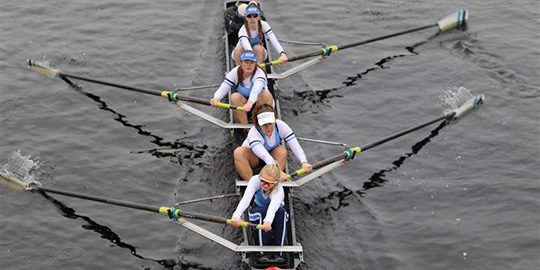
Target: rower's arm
{"x":258,"y":149}
{"x":243,"y":38}
{"x":259,"y":84}
{"x":272,"y":37}
{"x":230,"y":80}
{"x":277,"y":198}
{"x":290,"y":138}
{"x":248,"y":195}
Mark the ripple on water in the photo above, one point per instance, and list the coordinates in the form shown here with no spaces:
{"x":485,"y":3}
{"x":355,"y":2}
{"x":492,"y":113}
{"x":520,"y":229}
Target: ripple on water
{"x":525,"y":91}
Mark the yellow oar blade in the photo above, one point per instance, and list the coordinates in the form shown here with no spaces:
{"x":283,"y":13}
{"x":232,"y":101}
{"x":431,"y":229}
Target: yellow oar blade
{"x":459,"y":18}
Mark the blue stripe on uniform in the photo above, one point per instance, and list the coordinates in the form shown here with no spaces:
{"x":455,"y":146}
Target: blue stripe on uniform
{"x":262,"y":79}
{"x":229,"y":82}
{"x":290,"y":137}
{"x":253,"y":143}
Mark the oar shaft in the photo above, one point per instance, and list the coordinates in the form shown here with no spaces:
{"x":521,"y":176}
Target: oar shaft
{"x":401,"y":133}
{"x":151,"y":92}
{"x":385,"y":37}
{"x":127,"y":87}
{"x":319,"y":164}
{"x":100,"y":199}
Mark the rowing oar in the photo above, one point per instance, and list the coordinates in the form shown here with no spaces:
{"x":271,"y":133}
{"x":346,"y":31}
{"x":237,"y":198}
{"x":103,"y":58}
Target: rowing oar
{"x":456,"y":20}
{"x":174,"y":213}
{"x":349,"y":153}
{"x":170,"y":95}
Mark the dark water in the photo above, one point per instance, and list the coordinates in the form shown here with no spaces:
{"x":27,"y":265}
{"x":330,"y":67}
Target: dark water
{"x":458,"y":197}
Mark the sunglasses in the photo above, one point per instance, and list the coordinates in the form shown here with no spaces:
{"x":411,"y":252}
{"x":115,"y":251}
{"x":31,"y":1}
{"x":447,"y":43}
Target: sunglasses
{"x":267,"y":182}
{"x":252,"y":16}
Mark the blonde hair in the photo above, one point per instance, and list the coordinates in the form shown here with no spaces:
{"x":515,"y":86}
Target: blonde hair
{"x":271,"y":170}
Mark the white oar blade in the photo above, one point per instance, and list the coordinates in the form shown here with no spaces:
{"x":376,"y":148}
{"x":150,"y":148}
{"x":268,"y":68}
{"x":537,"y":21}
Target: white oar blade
{"x":470,"y":105}
{"x":456,"y":20}
{"x":42,"y":68}
{"x":12,"y":181}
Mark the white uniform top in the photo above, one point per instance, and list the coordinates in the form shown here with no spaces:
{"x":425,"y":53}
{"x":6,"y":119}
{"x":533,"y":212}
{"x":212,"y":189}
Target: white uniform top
{"x":257,"y":142}
{"x":276,"y":197}
{"x":258,"y":81}
{"x":243,"y":37}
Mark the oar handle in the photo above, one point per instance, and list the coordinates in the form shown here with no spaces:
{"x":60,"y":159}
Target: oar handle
{"x":348,"y":154}
{"x":246,"y":224}
{"x":322,"y":51}
{"x":176,"y":212}
{"x":174,"y":96}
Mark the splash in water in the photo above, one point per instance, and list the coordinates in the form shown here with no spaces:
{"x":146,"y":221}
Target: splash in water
{"x":453,"y":97}
{"x":22,"y":167}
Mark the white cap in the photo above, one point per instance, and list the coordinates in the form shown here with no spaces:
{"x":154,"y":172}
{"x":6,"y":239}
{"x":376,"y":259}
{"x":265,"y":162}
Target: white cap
{"x":241,"y":10}
{"x":266,"y":118}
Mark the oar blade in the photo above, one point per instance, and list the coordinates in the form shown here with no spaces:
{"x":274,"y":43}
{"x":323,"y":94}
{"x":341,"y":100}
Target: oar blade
{"x":469,"y":106}
{"x":456,"y":20}
{"x":42,"y":68}
{"x":12,"y":181}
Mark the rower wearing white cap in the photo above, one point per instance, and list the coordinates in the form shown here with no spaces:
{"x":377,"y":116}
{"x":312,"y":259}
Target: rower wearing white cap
{"x":263,"y":143}
{"x":250,"y":82}
{"x":252,"y":33}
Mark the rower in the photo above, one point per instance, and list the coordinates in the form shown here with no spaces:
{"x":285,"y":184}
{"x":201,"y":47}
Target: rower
{"x":257,"y":30}
{"x":250,"y":82}
{"x":263,"y":143}
{"x":267,"y":207}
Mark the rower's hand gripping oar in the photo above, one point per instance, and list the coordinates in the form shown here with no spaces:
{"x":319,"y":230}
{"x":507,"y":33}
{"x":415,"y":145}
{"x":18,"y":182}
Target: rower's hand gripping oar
{"x":172,"y":96}
{"x":456,"y":20}
{"x":349,"y":153}
{"x":172,"y":212}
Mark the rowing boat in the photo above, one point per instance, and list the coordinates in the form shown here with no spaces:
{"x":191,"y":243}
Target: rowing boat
{"x":251,"y":251}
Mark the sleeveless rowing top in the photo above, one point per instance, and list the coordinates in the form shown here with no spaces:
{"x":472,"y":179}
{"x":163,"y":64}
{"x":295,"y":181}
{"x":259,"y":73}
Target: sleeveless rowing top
{"x":269,"y":146}
{"x":245,"y":91}
{"x":260,"y":199}
{"x":254,"y":41}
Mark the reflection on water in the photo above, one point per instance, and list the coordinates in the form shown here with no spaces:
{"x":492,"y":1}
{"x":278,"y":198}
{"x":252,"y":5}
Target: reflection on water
{"x":186,"y":151}
{"x":471,"y":49}
{"x":312,"y":98}
{"x":338,"y":199}
{"x":104,"y":231}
